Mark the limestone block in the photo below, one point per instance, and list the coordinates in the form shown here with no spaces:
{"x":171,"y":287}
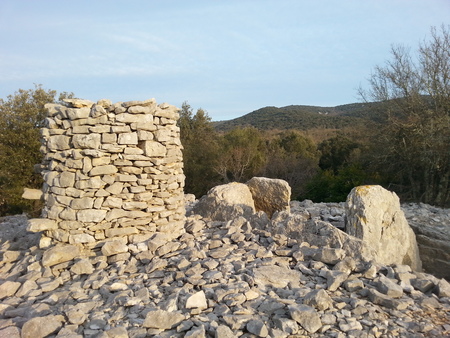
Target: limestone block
{"x":120,"y":129}
{"x":74,"y":164}
{"x":306,"y":316}
{"x":144,"y":135}
{"x":90,"y":141}
{"x":225,"y":202}
{"x":58,"y":234}
{"x":93,"y":153}
{"x":126,"y":178}
{"x":161,"y":319}
{"x":53,"y":109}
{"x":121,"y":232}
{"x":81,"y":238}
{"x":32,"y":194}
{"x":163,"y":135}
{"x":112,"y":202}
{"x":60,"y":254}
{"x":41,"y":224}
{"x":374,"y":215}
{"x":82,"y":266}
{"x":8,"y":289}
{"x":140,"y":110}
{"x":134,"y":205}
{"x":114,"y":247}
{"x":81,"y":130}
{"x":116,"y":214}
{"x":270,"y":195}
{"x":109,"y":138}
{"x":68,"y":214}
{"x":103,"y":170}
{"x":115,"y":188}
{"x":91,"y":215}
{"x":58,"y":142}
{"x":65,"y":179}
{"x":80,"y":113}
{"x":82,"y":203}
{"x":79,"y":103}
{"x":10,"y":332}
{"x":42,"y":326}
{"x":153,"y":149}
{"x":92,"y":183}
{"x":134,"y":118}
{"x":149,"y":126}
{"x":150,"y":102}
{"x":97,"y":110}
{"x":99,"y":161}
{"x":105,"y":103}
{"x":197,"y":300}
{"x":276,"y":276}
{"x":128,"y":138}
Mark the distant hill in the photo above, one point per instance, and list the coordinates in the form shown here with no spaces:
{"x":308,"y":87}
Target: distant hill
{"x":303,"y":117}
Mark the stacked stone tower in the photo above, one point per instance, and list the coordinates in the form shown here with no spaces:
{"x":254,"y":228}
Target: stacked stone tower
{"x":111,"y":172}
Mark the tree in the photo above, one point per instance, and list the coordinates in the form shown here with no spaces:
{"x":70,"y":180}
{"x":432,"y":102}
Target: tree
{"x":242,"y":154}
{"x":336,"y":152}
{"x":292,"y":157}
{"x":21,"y":117}
{"x":414,"y":147}
{"x":199,"y":141}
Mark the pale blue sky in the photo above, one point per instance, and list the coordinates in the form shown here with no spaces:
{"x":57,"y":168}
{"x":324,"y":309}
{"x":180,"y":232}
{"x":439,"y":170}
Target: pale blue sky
{"x":227,"y":57}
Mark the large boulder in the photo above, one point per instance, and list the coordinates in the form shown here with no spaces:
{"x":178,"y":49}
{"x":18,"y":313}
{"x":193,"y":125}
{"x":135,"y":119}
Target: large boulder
{"x":432,"y":228}
{"x":270,"y":195}
{"x":226,"y":202}
{"x":374,"y":215}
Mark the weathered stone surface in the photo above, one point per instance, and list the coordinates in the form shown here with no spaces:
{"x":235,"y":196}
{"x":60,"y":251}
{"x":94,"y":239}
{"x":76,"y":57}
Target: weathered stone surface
{"x":161,"y":319}
{"x":60,"y":254}
{"x":8,"y":288}
{"x":270,"y":195}
{"x":306,"y":316}
{"x":41,"y":224}
{"x":83,"y":141}
{"x":153,"y":149}
{"x":318,"y":299}
{"x":258,"y":328}
{"x":224,"y":331}
{"x":276,"y":276}
{"x":374,"y":215}
{"x":91,"y":215}
{"x":103,"y":170}
{"x":42,"y":326}
{"x":32,"y":194}
{"x":225,"y":202}
{"x":82,"y":267}
{"x":443,"y":288}
{"x":58,"y":142}
{"x":79,"y":103}
{"x":114,"y":247}
{"x":197,"y":300}
{"x":10,"y":332}
{"x":388,"y":287}
{"x":432,"y":228}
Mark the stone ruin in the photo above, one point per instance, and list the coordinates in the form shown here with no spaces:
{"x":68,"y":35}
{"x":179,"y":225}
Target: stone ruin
{"x":113,"y":173}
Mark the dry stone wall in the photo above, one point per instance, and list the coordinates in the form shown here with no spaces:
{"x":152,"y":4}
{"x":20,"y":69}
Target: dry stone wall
{"x":111,"y":172}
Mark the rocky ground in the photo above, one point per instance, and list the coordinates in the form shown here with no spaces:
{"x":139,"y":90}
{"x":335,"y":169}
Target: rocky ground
{"x":220,"y":279}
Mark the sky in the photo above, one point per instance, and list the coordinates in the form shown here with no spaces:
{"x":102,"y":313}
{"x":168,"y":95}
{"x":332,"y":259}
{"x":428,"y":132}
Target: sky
{"x":226,"y":57}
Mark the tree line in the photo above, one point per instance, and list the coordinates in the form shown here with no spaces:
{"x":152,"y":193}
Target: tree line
{"x":406,"y":148}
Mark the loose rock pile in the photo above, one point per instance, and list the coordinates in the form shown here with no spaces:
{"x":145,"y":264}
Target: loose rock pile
{"x":219,"y":279}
